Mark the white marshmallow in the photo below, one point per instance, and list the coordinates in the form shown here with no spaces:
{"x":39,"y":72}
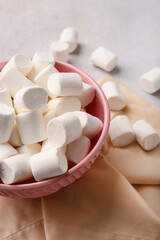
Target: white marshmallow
{"x":29,"y":149}
{"x":16,"y":169}
{"x":114,"y":96}
{"x":5,"y":97}
{"x":65,"y":84}
{"x":15,"y":139}
{"x":13,"y":81}
{"x":64,"y":104}
{"x":146,"y":135}
{"x":121,"y":132}
{"x":87,"y":95}
{"x":48,"y":164}
{"x":48,"y":116}
{"x":31,"y":98}
{"x":7,"y":117}
{"x":64,"y":129}
{"x":46,"y":145}
{"x":59,"y":50}
{"x":104,"y":58}
{"x":19,"y":62}
{"x":78,"y":150}
{"x":150,"y":81}
{"x":40,"y":61}
{"x":6,"y":150}
{"x":45,"y":109}
{"x":91,"y":125}
{"x":31,"y":127}
{"x":70,"y":36}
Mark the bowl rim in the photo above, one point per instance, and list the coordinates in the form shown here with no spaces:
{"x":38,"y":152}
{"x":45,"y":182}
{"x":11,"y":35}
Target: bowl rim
{"x":98,"y":145}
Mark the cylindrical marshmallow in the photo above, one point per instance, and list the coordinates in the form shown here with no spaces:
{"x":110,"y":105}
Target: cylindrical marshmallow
{"x":48,"y":116}
{"x":15,"y":139}
{"x":146,"y":135}
{"x":64,"y":129}
{"x":19,"y":62}
{"x":31,"y":98}
{"x":91,"y":125}
{"x":70,"y":36}
{"x":114,"y":96}
{"x":78,"y":150}
{"x":46,"y":145}
{"x":121,"y":132}
{"x":29,"y":149}
{"x":5,"y":97}
{"x":59,"y":50}
{"x":40,"y":61}
{"x":104,"y":58}
{"x":87,"y":95}
{"x":7,"y":117}
{"x":48,"y":164}
{"x":62,"y":105}
{"x":45,"y":109}
{"x":31,"y":127}
{"x":150,"y":81}
{"x":15,"y":169}
{"x":65,"y":84}
{"x":6,"y":150}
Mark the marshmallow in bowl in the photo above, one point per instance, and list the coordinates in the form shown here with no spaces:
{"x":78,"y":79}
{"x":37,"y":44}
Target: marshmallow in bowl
{"x":5,"y":97}
{"x":48,"y":145}
{"x":59,"y":50}
{"x":6,"y":150}
{"x":15,"y":139}
{"x":70,"y":36}
{"x":87,"y":95}
{"x":30,"y":149}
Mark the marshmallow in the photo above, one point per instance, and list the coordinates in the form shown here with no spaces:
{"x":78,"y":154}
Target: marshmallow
{"x":91,"y":125}
{"x":29,"y":149}
{"x":114,"y":96}
{"x":31,"y":98}
{"x":146,"y":135}
{"x":31,"y":127}
{"x":150,"y":81}
{"x":48,"y":164}
{"x":5,"y":97}
{"x":104,"y":58}
{"x":59,"y":50}
{"x":40,"y":61}
{"x":13,"y":81}
{"x":16,"y":169}
{"x":64,"y":104}
{"x":48,"y":145}
{"x":15,"y":139}
{"x":45,"y":109}
{"x":70,"y":36}
{"x":19,"y":62}
{"x":121,"y":132}
{"x":6,"y":150}
{"x":64,"y":129}
{"x":7,"y":117}
{"x":48,"y":116}
{"x":87,"y":95}
{"x":78,"y":149}
{"x":65,"y":84}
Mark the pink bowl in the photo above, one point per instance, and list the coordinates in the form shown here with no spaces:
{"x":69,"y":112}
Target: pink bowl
{"x":99,"y":108}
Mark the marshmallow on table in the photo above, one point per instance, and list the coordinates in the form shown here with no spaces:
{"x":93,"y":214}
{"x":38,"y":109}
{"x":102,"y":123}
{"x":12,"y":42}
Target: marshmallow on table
{"x":78,"y":149}
{"x":46,"y":145}
{"x":47,"y":164}
{"x":19,"y":62}
{"x":15,"y":139}
{"x":62,"y":105}
{"x":91,"y":125}
{"x":6,"y":150}
{"x":31,"y":127}
{"x":64,"y":129}
{"x":7,"y":117}
{"x":65,"y":84}
{"x":146,"y":135}
{"x":29,"y":149}
{"x":5,"y":97}
{"x":121,"y":132}
{"x":40,"y":61}
{"x":87,"y":95}
{"x":59,"y":50}
{"x":114,"y":96}
{"x":31,"y":98}
{"x":15,"y":169}
{"x":104,"y":59}
{"x":150,"y":81}
{"x":70,"y":36}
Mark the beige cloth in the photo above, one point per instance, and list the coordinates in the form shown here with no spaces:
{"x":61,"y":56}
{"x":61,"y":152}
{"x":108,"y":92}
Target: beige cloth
{"x":102,"y":204}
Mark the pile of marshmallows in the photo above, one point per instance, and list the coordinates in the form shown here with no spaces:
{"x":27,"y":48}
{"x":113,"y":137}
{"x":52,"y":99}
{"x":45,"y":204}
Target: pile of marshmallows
{"x":43,"y":123}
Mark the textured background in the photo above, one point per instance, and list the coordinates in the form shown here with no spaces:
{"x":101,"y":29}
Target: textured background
{"x":130,"y":28}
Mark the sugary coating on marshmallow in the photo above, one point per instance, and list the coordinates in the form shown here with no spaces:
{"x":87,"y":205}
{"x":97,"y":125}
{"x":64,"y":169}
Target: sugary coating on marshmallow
{"x":59,"y":50}
{"x":87,"y":95}
{"x":150,"y":81}
{"x":146,"y":135}
{"x":70,"y":36}
{"x":30,"y":149}
{"x":5,"y":97}
{"x":6,"y":150}
{"x":15,"y":139}
{"x":104,"y":59}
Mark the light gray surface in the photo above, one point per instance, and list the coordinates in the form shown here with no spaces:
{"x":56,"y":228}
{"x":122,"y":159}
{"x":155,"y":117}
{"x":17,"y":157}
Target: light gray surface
{"x":130,"y":28}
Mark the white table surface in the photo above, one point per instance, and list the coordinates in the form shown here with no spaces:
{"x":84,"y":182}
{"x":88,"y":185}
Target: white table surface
{"x":130,"y":28}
